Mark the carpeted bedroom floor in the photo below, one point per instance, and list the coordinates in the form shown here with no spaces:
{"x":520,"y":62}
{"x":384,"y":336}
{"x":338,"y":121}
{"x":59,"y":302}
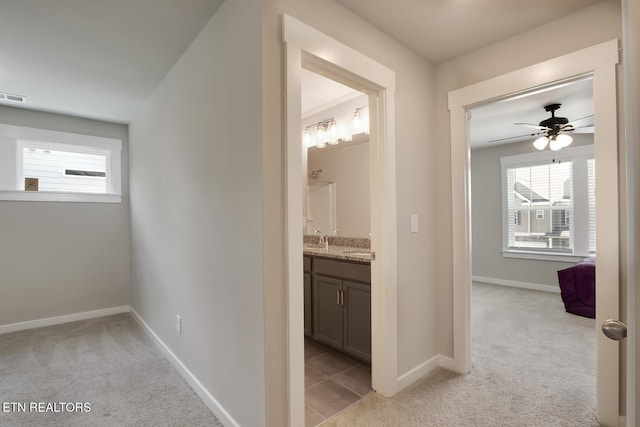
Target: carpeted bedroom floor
{"x":108,"y":363}
{"x":533,"y":365}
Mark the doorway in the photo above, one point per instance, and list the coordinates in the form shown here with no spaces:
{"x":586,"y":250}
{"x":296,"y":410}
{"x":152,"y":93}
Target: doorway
{"x":532,"y":215}
{"x":599,"y":61}
{"x":336,"y":169}
{"x":308,"y":48}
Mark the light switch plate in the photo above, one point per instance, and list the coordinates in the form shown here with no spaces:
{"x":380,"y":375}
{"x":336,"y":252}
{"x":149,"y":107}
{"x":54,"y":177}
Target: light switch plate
{"x":414,"y":223}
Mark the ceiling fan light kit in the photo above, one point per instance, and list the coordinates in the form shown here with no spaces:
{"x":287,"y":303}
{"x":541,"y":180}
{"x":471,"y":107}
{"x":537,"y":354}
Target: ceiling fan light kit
{"x":541,"y":143}
{"x":554,"y":130}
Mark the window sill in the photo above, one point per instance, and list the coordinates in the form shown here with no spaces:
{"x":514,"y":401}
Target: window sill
{"x":46,"y":196}
{"x":559,"y":257}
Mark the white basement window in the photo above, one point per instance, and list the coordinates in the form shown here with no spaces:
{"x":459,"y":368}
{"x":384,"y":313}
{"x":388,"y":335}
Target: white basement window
{"x":43,"y":165}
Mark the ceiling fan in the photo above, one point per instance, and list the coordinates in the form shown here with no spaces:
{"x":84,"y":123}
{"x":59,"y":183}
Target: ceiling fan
{"x":554,"y":130}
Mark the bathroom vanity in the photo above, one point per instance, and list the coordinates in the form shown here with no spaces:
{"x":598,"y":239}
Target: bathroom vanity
{"x":337,"y":299}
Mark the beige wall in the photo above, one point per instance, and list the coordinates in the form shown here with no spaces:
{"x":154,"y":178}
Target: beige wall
{"x":593,"y":25}
{"x":415,"y":152}
{"x":59,"y":258}
{"x":196,"y":211}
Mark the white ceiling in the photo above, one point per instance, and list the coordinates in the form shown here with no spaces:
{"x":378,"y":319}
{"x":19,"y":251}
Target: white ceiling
{"x":496,"y":120}
{"x":320,"y":93}
{"x":102,"y":59}
{"x":440,"y":30}
{"x":99,"y":59}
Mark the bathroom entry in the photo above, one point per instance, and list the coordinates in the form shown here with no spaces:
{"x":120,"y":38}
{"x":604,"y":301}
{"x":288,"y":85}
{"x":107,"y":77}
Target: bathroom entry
{"x":337,"y":211}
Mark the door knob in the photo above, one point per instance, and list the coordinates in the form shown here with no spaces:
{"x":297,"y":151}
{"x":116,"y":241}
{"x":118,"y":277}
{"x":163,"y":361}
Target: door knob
{"x":614,"y":329}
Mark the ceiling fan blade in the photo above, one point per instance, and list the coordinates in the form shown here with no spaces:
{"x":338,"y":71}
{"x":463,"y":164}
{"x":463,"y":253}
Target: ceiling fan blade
{"x":532,"y":126}
{"x":517,"y":136}
{"x":584,"y":129}
{"x":573,"y":122}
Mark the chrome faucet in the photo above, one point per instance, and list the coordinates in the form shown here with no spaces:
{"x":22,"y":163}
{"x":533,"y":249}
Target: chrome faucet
{"x":335,"y":233}
{"x":323,"y":239}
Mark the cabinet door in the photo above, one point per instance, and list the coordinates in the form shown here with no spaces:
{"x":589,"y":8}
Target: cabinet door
{"x":357,"y":319}
{"x":307,"y":305}
{"x":327,"y":311}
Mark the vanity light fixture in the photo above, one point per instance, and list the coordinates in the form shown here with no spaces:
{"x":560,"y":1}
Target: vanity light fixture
{"x":357,"y":120}
{"x":333,"y":132}
{"x":326,"y":132}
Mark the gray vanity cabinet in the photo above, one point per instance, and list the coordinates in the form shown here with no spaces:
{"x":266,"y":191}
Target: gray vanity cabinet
{"x":327,"y":311}
{"x":341,"y":306}
{"x":357,"y":319}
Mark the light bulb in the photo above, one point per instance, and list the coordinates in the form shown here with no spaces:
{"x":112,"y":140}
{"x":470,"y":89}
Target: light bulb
{"x":564,"y":140}
{"x":307,"y":138}
{"x":320,"y":133}
{"x":555,"y":145}
{"x":541,"y":142}
{"x":333,"y":129}
{"x":356,"y":121}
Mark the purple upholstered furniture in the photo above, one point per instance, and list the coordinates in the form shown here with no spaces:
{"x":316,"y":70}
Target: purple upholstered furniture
{"x":578,"y":287}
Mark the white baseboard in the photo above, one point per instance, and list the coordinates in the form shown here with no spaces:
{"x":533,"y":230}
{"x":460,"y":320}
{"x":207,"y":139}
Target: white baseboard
{"x":38,"y":323}
{"x":447,"y":363}
{"x":214,"y":406}
{"x":416,"y":373}
{"x":423,"y":369}
{"x":516,"y":284}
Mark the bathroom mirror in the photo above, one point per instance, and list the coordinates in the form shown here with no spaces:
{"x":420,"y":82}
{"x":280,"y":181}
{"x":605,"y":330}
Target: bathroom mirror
{"x":338,"y":189}
{"x":321,"y":207}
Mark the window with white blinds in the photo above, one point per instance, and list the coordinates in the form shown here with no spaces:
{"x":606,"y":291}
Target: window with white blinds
{"x":591,"y":189}
{"x":540,"y":201}
{"x":549,"y":203}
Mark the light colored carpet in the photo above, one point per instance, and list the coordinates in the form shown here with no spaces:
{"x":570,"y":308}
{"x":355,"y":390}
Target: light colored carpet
{"x":533,"y":365}
{"x":109,"y":363}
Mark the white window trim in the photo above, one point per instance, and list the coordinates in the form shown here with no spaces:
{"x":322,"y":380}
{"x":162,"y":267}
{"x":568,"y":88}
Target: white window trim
{"x":65,"y":141}
{"x":532,"y":159}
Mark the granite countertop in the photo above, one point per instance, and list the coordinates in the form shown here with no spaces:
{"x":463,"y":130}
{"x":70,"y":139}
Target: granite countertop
{"x":338,"y":252}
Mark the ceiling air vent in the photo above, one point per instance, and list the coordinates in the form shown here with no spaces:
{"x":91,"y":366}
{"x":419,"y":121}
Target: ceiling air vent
{"x":11,"y":97}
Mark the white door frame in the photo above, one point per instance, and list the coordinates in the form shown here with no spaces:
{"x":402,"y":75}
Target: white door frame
{"x":599,"y":61}
{"x":631,"y":62}
{"x":308,"y":47}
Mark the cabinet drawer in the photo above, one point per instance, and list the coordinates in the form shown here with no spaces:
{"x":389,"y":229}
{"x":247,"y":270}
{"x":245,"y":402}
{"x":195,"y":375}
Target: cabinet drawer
{"x":342,"y":269}
{"x":307,"y":263}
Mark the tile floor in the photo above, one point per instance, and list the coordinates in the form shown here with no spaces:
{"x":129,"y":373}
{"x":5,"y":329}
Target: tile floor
{"x":332,"y":382}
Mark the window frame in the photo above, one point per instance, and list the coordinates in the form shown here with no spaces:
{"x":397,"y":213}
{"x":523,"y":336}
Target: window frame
{"x":64,"y":141}
{"x":580,"y":250}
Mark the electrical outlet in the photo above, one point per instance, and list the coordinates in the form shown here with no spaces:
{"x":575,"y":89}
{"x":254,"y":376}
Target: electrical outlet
{"x":179,"y":325}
